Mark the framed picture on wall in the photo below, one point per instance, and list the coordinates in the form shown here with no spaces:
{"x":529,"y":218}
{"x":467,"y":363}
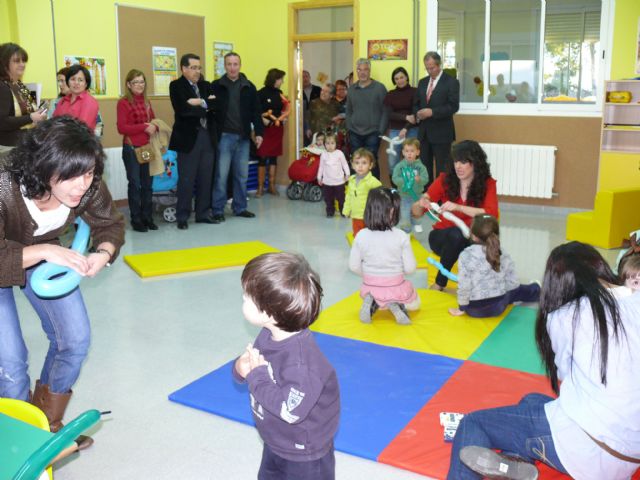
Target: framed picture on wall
{"x":220,"y":49}
{"x":387,"y":49}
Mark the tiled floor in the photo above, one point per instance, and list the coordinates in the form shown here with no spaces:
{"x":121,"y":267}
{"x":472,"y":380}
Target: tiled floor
{"x":151,"y":337}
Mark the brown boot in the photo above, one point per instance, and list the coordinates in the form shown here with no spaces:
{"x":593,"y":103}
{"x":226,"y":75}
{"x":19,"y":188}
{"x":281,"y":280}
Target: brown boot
{"x":54,"y":405}
{"x":272,"y":180}
{"x":261,"y":175}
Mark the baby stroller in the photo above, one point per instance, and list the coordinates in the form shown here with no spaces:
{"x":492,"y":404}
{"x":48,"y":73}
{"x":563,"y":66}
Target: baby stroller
{"x":164,"y":187}
{"x":303,"y":174}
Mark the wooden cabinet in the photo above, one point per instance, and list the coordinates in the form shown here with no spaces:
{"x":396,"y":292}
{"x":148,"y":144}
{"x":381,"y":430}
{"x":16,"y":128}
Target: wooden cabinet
{"x":620,"y":142}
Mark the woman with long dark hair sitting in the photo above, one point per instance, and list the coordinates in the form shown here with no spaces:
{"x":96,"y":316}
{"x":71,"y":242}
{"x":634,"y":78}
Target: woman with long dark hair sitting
{"x":588,"y":333}
{"x":466,"y":189}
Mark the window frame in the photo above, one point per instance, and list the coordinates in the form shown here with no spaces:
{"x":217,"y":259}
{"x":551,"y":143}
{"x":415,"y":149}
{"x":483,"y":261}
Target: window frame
{"x":539,"y":108}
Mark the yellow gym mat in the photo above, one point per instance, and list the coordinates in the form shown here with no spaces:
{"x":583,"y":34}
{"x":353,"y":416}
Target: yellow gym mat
{"x":432,"y":330}
{"x":195,"y":259}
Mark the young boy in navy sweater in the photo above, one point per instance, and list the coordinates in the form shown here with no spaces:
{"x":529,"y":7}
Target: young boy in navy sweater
{"x":294,"y":391}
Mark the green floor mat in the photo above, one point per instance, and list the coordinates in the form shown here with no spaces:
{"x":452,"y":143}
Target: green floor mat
{"x":512,"y":343}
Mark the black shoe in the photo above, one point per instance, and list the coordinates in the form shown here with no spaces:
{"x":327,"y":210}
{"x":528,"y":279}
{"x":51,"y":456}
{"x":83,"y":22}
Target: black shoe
{"x":139,"y":226}
{"x":210,"y":220}
{"x":330,"y":215}
{"x":182,"y":225}
{"x":245,"y":214}
{"x":150,"y":225}
{"x":219,"y":218}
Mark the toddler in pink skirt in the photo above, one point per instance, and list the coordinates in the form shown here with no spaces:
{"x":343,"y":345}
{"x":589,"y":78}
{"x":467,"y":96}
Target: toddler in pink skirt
{"x":382,"y":254}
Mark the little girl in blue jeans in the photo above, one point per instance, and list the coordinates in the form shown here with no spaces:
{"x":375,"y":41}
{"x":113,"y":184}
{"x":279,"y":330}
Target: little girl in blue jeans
{"x":382,"y":254}
{"x":487,"y":281}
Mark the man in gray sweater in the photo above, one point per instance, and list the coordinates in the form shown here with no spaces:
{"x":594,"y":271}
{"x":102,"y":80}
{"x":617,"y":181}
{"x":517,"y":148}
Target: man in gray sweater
{"x":366,"y":115}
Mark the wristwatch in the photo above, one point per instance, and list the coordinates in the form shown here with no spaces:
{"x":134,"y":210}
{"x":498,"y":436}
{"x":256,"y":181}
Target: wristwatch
{"x":104,"y":250}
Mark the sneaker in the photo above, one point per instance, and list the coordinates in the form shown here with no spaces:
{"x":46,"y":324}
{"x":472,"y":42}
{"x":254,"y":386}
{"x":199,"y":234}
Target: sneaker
{"x":495,"y":465}
{"x":400,"y":314}
{"x":365,"y":310}
{"x":418,"y":228}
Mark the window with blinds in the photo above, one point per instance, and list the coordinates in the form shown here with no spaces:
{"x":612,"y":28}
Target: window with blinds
{"x":567,"y":36}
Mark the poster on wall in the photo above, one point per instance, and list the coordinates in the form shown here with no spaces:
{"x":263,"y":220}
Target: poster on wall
{"x":220,"y":49}
{"x":165,"y":68}
{"x":638,"y":49}
{"x":97,"y":69}
{"x":387,"y":49}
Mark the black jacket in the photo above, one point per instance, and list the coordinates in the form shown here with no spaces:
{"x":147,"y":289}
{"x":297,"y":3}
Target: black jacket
{"x":250,"y":110}
{"x":315,"y":93}
{"x":187,"y":117}
{"x":444,"y":101}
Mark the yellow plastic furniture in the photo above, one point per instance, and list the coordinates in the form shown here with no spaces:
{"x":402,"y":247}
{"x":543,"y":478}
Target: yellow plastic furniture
{"x":27,"y":413}
{"x":616,"y":213}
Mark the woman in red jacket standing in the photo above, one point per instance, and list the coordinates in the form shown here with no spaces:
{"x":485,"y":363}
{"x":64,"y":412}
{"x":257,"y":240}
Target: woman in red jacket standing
{"x":134,"y":124}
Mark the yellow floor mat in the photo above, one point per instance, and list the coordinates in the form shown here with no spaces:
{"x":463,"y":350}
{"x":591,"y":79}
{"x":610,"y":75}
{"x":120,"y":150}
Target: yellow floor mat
{"x":432,"y":330}
{"x":195,"y":259}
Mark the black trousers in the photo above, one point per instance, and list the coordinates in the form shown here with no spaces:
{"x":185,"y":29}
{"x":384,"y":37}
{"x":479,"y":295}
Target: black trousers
{"x":139,"y":188}
{"x":441,"y":152}
{"x":195,"y":169}
{"x":448,"y":243}
{"x":331,"y":193}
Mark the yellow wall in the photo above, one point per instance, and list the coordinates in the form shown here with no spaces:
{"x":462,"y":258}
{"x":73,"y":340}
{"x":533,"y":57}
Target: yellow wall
{"x":625,"y":37}
{"x":7,"y":20}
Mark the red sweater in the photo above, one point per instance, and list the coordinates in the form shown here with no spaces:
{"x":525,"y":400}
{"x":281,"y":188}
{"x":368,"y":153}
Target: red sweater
{"x":437,"y":193}
{"x":132,"y":120}
{"x":84,"y":108}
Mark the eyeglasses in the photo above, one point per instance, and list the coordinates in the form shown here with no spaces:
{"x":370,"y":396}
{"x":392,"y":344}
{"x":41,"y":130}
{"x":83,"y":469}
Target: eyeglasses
{"x":195,"y":67}
{"x":138,"y":82}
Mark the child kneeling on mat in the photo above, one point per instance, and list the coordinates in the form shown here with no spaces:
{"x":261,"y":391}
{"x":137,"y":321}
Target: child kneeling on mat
{"x":382,"y":254}
{"x":293,"y":388}
{"x":487,"y":281}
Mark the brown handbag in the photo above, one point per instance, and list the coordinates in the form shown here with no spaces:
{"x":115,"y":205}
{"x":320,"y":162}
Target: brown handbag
{"x":144,"y":154}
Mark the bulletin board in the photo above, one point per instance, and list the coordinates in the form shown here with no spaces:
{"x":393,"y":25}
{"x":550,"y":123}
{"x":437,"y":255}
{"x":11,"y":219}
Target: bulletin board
{"x":141,"y":29}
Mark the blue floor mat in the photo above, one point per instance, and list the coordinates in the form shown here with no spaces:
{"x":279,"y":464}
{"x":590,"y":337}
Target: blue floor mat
{"x":381,"y":388}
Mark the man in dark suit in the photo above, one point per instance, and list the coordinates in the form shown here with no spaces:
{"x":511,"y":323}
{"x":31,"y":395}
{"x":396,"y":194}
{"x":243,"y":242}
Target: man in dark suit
{"x":437,"y":99}
{"x":194,"y":139}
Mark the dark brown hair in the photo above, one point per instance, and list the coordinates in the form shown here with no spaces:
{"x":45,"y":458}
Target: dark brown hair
{"x":284,"y":286}
{"x":487,"y":230}
{"x":468,"y":151}
{"x":7,"y":51}
{"x":382,"y":211}
{"x":273,"y":75}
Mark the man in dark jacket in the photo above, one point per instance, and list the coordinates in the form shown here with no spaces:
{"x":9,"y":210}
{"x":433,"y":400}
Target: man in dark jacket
{"x":236,"y":109}
{"x":193,"y":137}
{"x":437,"y":99}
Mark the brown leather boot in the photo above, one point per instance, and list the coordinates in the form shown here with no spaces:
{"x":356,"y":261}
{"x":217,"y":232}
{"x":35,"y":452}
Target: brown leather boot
{"x":54,"y":405}
{"x":261,"y":175}
{"x":272,"y":180}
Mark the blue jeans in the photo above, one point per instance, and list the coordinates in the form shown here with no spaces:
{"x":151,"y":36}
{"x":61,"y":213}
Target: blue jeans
{"x":393,"y":161}
{"x":521,"y":430}
{"x":371,"y":142}
{"x":406,"y":220}
{"x":66,"y":323}
{"x":233,"y":154}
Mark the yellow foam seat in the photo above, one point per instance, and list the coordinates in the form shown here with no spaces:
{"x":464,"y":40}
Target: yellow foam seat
{"x":616,"y":213}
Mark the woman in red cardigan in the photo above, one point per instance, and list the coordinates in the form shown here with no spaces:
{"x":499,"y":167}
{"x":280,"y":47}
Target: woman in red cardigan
{"x":134,"y":124}
{"x":466,"y":189}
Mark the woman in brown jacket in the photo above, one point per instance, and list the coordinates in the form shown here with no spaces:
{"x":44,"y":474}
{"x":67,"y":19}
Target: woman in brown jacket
{"x":53,"y":177}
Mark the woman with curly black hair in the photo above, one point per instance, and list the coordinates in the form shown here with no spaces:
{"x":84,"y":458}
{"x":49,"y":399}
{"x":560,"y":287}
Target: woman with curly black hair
{"x":53,"y":177}
{"x":466,"y":189}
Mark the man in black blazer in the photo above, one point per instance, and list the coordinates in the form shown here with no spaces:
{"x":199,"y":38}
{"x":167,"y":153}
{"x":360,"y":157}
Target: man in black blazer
{"x":309,"y":92}
{"x":437,"y":99}
{"x":194,"y":138}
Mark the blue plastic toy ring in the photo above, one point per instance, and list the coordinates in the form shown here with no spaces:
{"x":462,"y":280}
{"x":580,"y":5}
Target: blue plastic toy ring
{"x":50,"y":280}
{"x":451,"y":276}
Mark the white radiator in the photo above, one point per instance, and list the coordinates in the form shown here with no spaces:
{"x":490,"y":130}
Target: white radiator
{"x":522,"y":170}
{"x":115,"y":175}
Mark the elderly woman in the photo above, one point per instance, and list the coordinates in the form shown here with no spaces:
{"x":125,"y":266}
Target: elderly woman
{"x":79,"y":103}
{"x":323,"y":110}
{"x":17,"y":109}
{"x":53,"y":177}
{"x":466,"y":189}
{"x":134,"y":124}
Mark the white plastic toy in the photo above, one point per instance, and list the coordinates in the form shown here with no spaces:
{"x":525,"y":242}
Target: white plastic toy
{"x":452,"y":218}
{"x":393,"y":142}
